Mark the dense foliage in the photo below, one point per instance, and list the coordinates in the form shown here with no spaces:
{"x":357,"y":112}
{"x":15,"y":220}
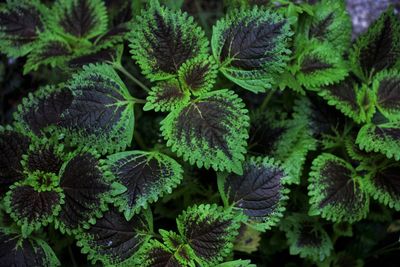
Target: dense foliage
{"x":198,"y":133}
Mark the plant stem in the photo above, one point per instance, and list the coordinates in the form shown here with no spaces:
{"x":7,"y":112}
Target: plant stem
{"x":71,"y":254}
{"x":266,"y":100}
{"x":131,"y":77}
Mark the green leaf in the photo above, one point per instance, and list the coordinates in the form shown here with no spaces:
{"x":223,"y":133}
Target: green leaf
{"x":162,"y":40}
{"x":319,"y":65}
{"x":259,"y":193}
{"x":379,"y":47}
{"x":198,"y":75}
{"x":21,"y":22}
{"x":101,"y":115}
{"x":236,"y":263}
{"x":210,"y":131}
{"x":335,"y":190}
{"x":383,"y":138}
{"x":17,"y":251}
{"x":155,"y":254}
{"x":12,"y":146}
{"x":386,"y":86}
{"x":176,"y":243}
{"x":166,"y":96}
{"x":306,"y":237}
{"x":251,"y":47}
{"x":210,"y":231}
{"x":79,"y":19}
{"x":147,"y":177}
{"x":107,"y":55}
{"x":115,"y":241}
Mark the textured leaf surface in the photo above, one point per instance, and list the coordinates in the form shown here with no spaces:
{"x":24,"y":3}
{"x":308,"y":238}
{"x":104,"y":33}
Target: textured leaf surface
{"x":12,"y":146}
{"x":15,"y":251}
{"x":209,"y":231}
{"x":251,"y":47}
{"x":113,"y":239}
{"x":259,"y":192}
{"x":210,"y":131}
{"x":21,"y":21}
{"x":383,"y":138}
{"x":306,"y":237}
{"x":101,"y":113}
{"x":86,"y":191}
{"x":79,"y":18}
{"x":166,"y":96}
{"x":156,"y":254}
{"x":44,"y":158}
{"x":387,"y":89}
{"x":146,"y":175}
{"x":98,"y":57}
{"x":162,"y":40}
{"x":335,"y":192}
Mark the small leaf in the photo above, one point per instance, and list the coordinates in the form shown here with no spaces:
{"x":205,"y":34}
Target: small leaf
{"x":210,"y":131}
{"x":17,"y":251}
{"x":335,"y":192}
{"x":79,"y":18}
{"x":198,"y":75}
{"x":236,"y":263}
{"x":106,"y":55}
{"x":379,"y":47}
{"x":101,"y":113}
{"x":383,"y":138}
{"x":251,"y":47}
{"x":21,"y":22}
{"x":259,"y":193}
{"x":113,"y":240}
{"x":210,"y":231}
{"x":166,"y":96}
{"x":12,"y":146}
{"x":386,"y":86}
{"x":162,"y":40}
{"x":156,"y":254}
{"x":248,"y":240}
{"x":306,"y":237}
{"x":146,"y":175}
{"x":44,"y":157}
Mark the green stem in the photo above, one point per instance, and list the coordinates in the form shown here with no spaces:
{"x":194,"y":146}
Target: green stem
{"x":266,"y":100}
{"x":71,"y":254}
{"x":131,"y":77}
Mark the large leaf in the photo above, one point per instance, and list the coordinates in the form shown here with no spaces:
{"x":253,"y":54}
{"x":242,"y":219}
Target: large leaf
{"x":16,"y":251}
{"x":12,"y":146}
{"x":387,"y":89}
{"x":306,"y":237}
{"x":209,"y":230}
{"x":335,"y":191}
{"x":162,"y":40}
{"x":79,"y":18}
{"x":210,"y":131}
{"x":101,"y":113}
{"x":146,"y":175}
{"x":379,"y":47}
{"x":251,"y":47}
{"x":259,"y":193}
{"x":383,"y":138}
{"x":87,"y":191}
{"x":21,"y":22}
{"x":114,"y":240}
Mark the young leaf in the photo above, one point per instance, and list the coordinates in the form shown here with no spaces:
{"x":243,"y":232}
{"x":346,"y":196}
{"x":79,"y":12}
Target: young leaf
{"x":166,"y":96}
{"x":251,"y":47}
{"x":236,"y":263}
{"x":182,"y":252}
{"x":12,"y":146}
{"x":146,"y":175}
{"x":113,"y":240}
{"x":386,"y":86}
{"x":210,"y":131}
{"x":32,"y":208}
{"x":17,"y":251}
{"x":80,"y":19}
{"x":306,"y":237}
{"x":156,"y":254}
{"x":21,"y":22}
{"x":379,"y":47}
{"x":198,"y":75}
{"x":209,"y":230}
{"x":101,"y":113}
{"x":259,"y":193}
{"x":43,"y":109}
{"x":335,"y":192}
{"x":383,"y":138}
{"x":87,"y":189}
{"x":162,"y":40}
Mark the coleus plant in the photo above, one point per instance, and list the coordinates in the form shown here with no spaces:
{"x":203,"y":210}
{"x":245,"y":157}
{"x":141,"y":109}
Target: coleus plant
{"x":68,"y":160}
